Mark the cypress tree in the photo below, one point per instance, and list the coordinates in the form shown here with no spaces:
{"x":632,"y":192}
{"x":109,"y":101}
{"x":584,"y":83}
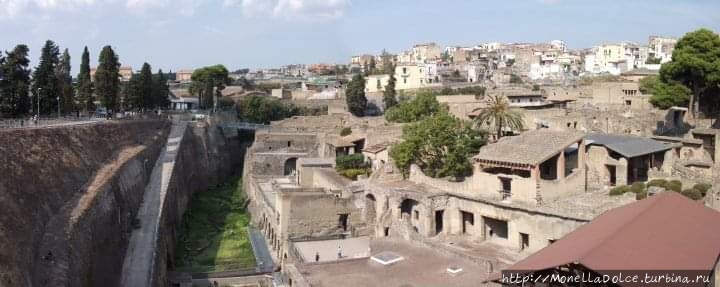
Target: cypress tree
{"x":161,"y":90}
{"x":390,"y":93}
{"x":65,"y":86}
{"x":107,"y":79}
{"x":85,"y":97}
{"x":46,"y":86}
{"x":355,"y":96}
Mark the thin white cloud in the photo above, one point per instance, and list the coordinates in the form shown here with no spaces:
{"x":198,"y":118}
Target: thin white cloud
{"x":184,"y":7}
{"x":12,"y":8}
{"x":292,"y":9}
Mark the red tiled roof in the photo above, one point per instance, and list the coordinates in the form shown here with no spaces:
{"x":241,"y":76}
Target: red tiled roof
{"x":663,"y":232}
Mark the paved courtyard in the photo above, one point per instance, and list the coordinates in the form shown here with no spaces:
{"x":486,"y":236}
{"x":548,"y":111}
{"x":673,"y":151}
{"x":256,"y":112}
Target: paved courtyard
{"x":421,"y":266}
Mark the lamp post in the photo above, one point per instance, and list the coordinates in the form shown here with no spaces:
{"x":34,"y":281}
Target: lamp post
{"x":58,"y":103}
{"x":37,"y":115}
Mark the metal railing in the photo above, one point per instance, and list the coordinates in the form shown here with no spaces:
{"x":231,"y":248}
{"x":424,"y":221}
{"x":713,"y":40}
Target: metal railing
{"x":43,"y":122}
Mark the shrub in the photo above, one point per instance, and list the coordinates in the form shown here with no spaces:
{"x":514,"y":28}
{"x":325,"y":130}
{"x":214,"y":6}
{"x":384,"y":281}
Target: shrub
{"x":641,"y":195}
{"x":637,"y":187}
{"x":658,"y":182}
{"x":345,"y":131}
{"x":703,"y":188}
{"x":353,"y":173}
{"x":352,"y":161}
{"x":674,"y":185}
{"x":619,"y":190}
{"x":692,"y":193}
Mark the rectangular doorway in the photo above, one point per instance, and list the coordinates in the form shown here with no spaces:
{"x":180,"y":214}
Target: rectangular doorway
{"x":524,"y":241}
{"x":439,"y":221}
{"x":468,"y":221}
{"x":343,"y":221}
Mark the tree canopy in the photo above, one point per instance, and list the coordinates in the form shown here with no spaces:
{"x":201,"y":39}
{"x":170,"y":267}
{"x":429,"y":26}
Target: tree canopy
{"x":263,"y":110}
{"x":498,"y":114}
{"x":65,"y":84}
{"x":107,"y":79}
{"x":440,"y":145}
{"x":85,"y":97}
{"x":390,"y":94}
{"x":355,"y":96}
{"x":46,"y":86}
{"x":696,"y":65}
{"x":422,"y":106}
{"x":15,"y":82}
{"x":208,"y":82}
{"x":665,"y":95}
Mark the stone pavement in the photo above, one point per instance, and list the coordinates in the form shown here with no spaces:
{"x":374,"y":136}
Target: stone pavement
{"x":263,"y":258}
{"x":139,"y":260}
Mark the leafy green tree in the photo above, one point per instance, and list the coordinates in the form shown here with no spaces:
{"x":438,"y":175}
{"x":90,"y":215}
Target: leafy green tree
{"x":695,"y":64}
{"x":440,"y":145}
{"x":161,"y":91}
{"x":355,"y":96}
{"x":390,"y":94}
{"x":85,"y":97}
{"x":498,"y":114}
{"x":65,"y":84}
{"x":262,"y":109}
{"x":46,"y":86}
{"x":107,"y":79}
{"x":15,"y":82}
{"x":424,"y":105}
{"x":133,"y":94}
{"x":208,"y":82}
{"x":665,"y":95}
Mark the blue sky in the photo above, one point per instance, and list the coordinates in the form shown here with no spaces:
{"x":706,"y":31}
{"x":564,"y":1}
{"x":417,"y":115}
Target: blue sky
{"x":174,"y":34}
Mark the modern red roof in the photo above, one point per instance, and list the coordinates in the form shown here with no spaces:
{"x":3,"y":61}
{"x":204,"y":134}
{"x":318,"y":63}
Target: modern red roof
{"x":662,"y":232}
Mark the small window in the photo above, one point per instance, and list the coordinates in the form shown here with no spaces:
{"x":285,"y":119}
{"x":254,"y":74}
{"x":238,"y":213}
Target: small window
{"x":289,"y":143}
{"x":416,"y":214}
{"x":628,"y":102}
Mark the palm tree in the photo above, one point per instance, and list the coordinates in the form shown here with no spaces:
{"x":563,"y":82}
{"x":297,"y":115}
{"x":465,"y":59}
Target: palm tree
{"x":497,"y":113}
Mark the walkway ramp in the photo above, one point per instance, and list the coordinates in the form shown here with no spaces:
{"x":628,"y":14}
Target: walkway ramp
{"x":139,"y":262}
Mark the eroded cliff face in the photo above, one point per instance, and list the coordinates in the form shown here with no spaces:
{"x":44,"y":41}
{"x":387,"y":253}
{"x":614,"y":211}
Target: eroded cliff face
{"x":68,"y":196}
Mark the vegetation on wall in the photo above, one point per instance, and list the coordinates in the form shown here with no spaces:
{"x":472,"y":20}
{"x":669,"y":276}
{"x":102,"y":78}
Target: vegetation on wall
{"x":478,"y":91}
{"x":697,"y":192}
{"x":351,"y":166}
{"x":264,"y":109}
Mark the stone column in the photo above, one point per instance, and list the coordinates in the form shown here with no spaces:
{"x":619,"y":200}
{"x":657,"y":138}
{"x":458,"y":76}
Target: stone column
{"x":581,"y":155}
{"x":561,"y":165}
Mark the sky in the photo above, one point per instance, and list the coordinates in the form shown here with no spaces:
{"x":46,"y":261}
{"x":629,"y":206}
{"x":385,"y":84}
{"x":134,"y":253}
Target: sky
{"x":178,"y":34}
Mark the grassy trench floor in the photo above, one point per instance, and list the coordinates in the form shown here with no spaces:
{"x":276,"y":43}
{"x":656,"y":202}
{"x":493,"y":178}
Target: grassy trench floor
{"x":213,"y":235}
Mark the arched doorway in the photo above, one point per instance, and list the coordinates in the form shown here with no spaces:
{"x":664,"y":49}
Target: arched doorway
{"x":408,"y":209}
{"x":290,"y":166}
{"x":370,"y":206}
